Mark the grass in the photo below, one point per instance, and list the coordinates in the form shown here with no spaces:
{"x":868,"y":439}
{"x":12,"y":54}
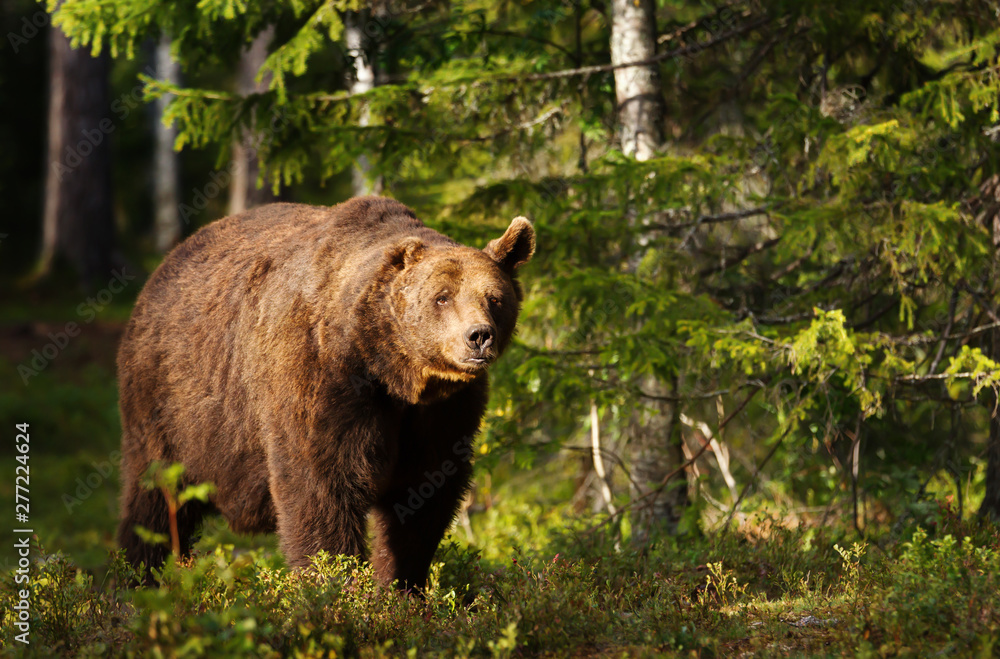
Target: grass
{"x":566,"y":591}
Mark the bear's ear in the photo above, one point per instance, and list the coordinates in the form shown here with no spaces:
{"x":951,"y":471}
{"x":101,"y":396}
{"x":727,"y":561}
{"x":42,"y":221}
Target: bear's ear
{"x":514,"y":247}
{"x":406,"y":252}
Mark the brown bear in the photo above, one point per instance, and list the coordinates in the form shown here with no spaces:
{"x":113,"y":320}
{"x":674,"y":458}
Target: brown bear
{"x":318,"y":365}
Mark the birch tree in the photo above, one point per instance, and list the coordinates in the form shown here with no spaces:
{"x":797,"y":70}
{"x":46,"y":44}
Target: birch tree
{"x":166,"y":166}
{"x":638,"y":93}
{"x":655,"y":433}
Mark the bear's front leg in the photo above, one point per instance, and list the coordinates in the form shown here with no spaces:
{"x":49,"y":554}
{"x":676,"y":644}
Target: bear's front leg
{"x":412,"y":518}
{"x":314,"y":516}
{"x":431,"y":477}
{"x":323,"y":489}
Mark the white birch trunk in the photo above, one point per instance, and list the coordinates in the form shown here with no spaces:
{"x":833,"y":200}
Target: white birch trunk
{"x":656,"y":445}
{"x":637,"y":88}
{"x":167,"y":220}
{"x":362,"y":80}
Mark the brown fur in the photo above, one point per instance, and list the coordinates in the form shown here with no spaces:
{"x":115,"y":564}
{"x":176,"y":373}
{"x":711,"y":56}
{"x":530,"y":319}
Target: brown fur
{"x":309,"y":361}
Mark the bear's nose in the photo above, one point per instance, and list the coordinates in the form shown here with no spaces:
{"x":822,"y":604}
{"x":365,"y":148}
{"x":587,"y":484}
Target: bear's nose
{"x":479,"y":337}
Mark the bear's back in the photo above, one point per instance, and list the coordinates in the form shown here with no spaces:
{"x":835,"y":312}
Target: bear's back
{"x":277,"y":230}
{"x":222,"y":256}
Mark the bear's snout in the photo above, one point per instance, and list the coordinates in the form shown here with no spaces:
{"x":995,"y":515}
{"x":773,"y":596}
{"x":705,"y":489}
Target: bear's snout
{"x":479,"y":338}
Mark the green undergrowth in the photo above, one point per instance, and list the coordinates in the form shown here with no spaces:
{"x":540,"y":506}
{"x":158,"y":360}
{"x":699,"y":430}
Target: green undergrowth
{"x":781,"y":592}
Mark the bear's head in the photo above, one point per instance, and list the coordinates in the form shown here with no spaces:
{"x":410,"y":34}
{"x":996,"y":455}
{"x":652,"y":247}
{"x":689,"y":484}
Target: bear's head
{"x":455,"y":307}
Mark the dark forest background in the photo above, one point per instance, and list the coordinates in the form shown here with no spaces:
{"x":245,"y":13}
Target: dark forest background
{"x":763,"y":312}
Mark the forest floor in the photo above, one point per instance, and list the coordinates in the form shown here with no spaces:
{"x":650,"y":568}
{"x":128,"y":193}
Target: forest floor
{"x":533,"y":578}
{"x":562,"y":593}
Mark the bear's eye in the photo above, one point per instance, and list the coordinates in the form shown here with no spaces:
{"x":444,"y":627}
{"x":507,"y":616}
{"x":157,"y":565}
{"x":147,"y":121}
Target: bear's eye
{"x":442,"y":300}
{"x":494,"y":301}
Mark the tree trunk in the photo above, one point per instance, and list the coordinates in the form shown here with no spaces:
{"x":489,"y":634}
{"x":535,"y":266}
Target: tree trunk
{"x":78,"y":223}
{"x":988,"y":205}
{"x":361,"y":80}
{"x":990,"y":507}
{"x":638,"y":91}
{"x":656,"y":450}
{"x":167,"y":222}
{"x":243,"y":190}
{"x":655,"y":434}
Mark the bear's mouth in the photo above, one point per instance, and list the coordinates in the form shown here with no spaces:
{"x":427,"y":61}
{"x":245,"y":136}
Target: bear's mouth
{"x":476,"y":360}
